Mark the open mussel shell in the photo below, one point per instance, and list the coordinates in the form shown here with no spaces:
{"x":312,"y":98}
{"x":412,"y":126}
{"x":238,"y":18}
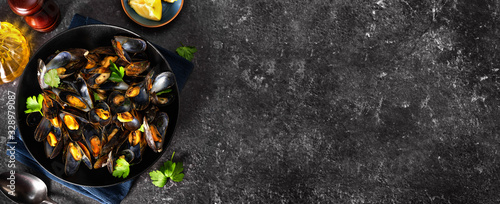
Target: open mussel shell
{"x":162,"y":82}
{"x":84,"y":91}
{"x":42,"y":130}
{"x":53,"y":146}
{"x":50,"y":107}
{"x":48,"y":127}
{"x":93,"y":140}
{"x":118,"y":102}
{"x":41,"y":71}
{"x":136,"y":68}
{"x":57,"y":128}
{"x":153,"y":138}
{"x":73,"y":124}
{"x":92,"y":61}
{"x":163,"y":99}
{"x":139,"y":96}
{"x":56,"y":62}
{"x":130,"y":120}
{"x":86,"y":152}
{"x":74,"y":155}
{"x":100,"y":114}
{"x":52,"y":151}
{"x":161,"y":122}
{"x":136,"y":143}
{"x":156,"y":131}
{"x":61,"y":59}
{"x":127,"y":154}
{"x":132,"y":45}
{"x":77,"y":62}
{"x":72,"y":160}
{"x":161,"y":91}
{"x":66,"y":63}
{"x":120,"y":52}
{"x":73,"y":100}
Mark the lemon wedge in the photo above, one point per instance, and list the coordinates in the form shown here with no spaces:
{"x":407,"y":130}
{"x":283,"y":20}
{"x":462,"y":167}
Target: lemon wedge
{"x":170,"y":1}
{"x":150,"y":9}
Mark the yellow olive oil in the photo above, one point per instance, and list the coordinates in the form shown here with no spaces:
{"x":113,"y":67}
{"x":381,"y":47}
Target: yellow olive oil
{"x":14,"y":52}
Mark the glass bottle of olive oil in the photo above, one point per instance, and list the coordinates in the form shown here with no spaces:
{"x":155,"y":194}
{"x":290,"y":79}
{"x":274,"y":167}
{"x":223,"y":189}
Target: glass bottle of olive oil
{"x":14,"y":52}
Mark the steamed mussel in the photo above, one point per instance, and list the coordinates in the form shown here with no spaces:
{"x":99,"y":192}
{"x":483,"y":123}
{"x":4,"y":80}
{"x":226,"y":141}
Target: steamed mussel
{"x":74,"y":154}
{"x":155,"y":131}
{"x":100,"y":114}
{"x":90,"y":118}
{"x":161,"y":87}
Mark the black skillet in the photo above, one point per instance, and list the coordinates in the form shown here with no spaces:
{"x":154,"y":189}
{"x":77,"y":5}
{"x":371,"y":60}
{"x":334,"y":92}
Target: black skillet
{"x":88,"y":37}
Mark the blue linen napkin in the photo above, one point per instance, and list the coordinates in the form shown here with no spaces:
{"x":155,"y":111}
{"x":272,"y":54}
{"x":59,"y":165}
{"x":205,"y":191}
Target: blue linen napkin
{"x":181,"y":67}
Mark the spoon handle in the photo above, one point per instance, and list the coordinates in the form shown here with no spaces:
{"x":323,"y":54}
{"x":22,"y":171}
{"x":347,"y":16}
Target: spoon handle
{"x":48,"y":201}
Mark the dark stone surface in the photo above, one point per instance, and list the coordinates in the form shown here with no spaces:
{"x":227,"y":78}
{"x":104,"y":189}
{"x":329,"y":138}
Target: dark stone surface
{"x":377,"y":101}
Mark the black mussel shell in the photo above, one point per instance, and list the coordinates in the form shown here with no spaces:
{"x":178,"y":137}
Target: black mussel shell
{"x":100,"y":114}
{"x":139,"y":96}
{"x":50,"y":107}
{"x":73,"y":124}
{"x":162,"y":82}
{"x":135,"y":123}
{"x":93,"y":140}
{"x":131,"y":45}
{"x":118,"y":102}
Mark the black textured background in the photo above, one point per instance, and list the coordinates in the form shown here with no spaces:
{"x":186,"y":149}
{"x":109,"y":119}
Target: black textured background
{"x":328,"y":101}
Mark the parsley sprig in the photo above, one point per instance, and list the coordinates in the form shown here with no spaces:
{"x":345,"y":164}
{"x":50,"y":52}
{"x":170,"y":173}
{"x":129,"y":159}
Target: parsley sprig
{"x":186,"y":51}
{"x":117,"y":73}
{"x":170,"y":170}
{"x":51,"y":78}
{"x":34,"y":104}
{"x":97,"y":97}
{"x":142,"y":128}
{"x":121,"y":168}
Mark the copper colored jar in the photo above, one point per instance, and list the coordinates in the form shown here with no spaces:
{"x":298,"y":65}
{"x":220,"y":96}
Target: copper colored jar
{"x":41,"y":15}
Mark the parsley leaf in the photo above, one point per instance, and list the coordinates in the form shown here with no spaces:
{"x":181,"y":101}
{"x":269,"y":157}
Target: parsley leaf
{"x":170,"y":170}
{"x":142,"y":128}
{"x":159,"y":179}
{"x":34,"y":104}
{"x":121,"y":168}
{"x":96,"y":97}
{"x":165,"y":91}
{"x":177,"y":176}
{"x":52,"y":79}
{"x":117,"y":73}
{"x":186,"y":51}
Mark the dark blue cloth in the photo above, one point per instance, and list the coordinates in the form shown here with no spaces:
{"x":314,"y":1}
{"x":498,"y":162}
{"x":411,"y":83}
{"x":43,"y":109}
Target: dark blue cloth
{"x":181,"y":67}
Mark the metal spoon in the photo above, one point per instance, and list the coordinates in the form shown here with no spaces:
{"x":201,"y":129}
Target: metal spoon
{"x":23,"y":187}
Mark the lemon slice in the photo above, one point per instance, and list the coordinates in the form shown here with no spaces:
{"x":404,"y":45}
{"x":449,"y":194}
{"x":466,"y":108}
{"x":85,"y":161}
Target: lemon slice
{"x":150,"y":9}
